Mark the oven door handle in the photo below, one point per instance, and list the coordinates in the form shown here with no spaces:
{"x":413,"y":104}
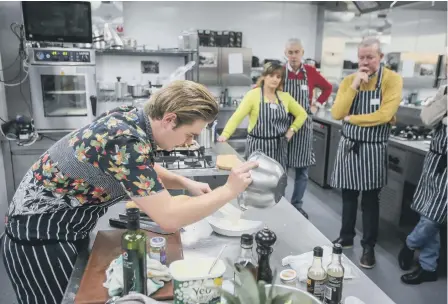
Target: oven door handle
{"x":93,"y":101}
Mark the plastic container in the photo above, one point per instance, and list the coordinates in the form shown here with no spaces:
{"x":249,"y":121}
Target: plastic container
{"x":192,"y":283}
{"x":289,"y":277}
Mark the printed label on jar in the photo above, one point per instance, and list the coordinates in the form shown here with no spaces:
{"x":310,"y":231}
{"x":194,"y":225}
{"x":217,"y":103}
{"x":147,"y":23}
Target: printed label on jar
{"x":154,"y":255}
{"x":333,"y":290}
{"x":159,"y":255}
{"x":315,"y":287}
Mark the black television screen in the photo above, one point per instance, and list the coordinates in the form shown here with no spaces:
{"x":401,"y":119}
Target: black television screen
{"x":58,"y":21}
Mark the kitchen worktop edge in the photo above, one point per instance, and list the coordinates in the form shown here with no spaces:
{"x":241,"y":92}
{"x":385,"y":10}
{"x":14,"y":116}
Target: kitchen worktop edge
{"x":419,"y":147}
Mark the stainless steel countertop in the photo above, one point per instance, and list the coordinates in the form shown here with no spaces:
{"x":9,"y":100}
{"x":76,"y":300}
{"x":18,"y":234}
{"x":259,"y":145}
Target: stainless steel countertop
{"x":295,"y":235}
{"x":419,"y":147}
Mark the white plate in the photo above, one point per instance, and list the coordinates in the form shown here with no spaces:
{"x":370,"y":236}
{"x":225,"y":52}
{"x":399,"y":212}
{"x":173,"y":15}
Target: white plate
{"x":227,"y":227}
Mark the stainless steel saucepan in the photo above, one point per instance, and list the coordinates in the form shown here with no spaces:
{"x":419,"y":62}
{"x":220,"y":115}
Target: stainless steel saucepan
{"x":268,"y":185}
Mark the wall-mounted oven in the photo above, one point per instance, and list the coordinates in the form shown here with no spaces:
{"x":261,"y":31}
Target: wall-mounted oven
{"x":63,"y":90}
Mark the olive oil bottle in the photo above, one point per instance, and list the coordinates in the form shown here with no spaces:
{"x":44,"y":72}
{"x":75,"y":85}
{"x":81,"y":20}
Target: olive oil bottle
{"x":133,"y":245}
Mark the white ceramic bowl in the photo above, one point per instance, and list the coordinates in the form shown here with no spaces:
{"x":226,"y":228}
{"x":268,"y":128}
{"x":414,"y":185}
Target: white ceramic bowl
{"x":231,"y":228}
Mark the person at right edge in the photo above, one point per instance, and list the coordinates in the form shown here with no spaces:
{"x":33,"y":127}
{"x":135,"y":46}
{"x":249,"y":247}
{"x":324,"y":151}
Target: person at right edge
{"x":367,"y":102}
{"x":429,"y":198}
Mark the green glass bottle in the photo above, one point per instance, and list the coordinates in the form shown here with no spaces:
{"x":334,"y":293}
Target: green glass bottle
{"x":133,"y":245}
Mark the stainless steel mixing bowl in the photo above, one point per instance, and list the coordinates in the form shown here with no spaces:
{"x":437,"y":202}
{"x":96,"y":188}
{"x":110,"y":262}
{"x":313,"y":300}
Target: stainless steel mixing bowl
{"x":298,"y":296}
{"x":268,"y":183}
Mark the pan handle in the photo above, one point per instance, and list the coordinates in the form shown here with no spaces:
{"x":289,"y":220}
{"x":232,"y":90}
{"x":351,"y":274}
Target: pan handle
{"x":116,"y":223}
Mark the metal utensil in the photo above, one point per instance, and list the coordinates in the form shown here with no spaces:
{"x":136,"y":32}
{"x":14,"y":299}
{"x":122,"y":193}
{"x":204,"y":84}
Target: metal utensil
{"x":216,"y":259}
{"x":297,"y":295}
{"x":121,"y":88}
{"x":137,"y":90}
{"x":268,"y":185}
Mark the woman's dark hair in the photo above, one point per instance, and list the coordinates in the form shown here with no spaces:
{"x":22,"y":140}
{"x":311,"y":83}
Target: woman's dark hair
{"x":272,"y":68}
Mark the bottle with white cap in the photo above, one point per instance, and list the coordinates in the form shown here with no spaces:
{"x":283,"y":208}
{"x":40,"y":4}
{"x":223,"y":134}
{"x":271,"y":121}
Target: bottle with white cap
{"x":315,"y":283}
{"x":335,"y":273}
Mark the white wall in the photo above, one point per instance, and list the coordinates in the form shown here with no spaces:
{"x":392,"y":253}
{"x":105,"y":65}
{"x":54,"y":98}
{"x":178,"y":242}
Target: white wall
{"x":266,"y":26}
{"x":422,"y":31}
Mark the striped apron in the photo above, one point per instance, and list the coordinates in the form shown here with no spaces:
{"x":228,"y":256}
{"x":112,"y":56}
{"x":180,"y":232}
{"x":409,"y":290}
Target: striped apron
{"x":361,"y":159}
{"x":268,"y":134}
{"x":300,"y":147}
{"x":430,"y":195}
{"x":40,"y":250}
{"x":38,"y":255}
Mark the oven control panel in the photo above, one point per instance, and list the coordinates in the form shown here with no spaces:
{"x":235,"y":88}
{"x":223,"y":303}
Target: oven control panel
{"x":42,"y":56}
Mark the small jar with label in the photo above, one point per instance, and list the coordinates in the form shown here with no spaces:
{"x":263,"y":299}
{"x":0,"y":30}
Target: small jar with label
{"x":288,"y":277}
{"x":157,"y":250}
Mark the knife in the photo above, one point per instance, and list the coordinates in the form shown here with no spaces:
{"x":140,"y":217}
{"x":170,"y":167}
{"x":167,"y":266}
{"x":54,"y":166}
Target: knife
{"x":149,"y":226}
{"x":144,"y":219}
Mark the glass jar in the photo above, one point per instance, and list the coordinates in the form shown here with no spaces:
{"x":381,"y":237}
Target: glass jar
{"x":288,"y":277}
{"x":157,"y":249}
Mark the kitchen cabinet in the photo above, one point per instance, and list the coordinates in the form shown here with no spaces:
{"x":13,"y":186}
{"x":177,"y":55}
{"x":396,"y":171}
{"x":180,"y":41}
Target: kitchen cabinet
{"x":318,"y":172}
{"x":21,"y":163}
{"x":221,"y":66}
{"x":335,"y":137}
{"x":22,"y":158}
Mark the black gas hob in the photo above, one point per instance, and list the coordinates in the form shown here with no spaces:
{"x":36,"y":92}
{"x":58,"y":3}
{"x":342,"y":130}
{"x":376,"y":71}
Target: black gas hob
{"x":409,"y":132}
{"x":184,"y":159}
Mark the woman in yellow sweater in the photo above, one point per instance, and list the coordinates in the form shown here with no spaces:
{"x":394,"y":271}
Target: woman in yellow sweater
{"x":267,"y":106}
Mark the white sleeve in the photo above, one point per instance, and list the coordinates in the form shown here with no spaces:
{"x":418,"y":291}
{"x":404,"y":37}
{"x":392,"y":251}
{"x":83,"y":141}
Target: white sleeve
{"x":434,"y":111}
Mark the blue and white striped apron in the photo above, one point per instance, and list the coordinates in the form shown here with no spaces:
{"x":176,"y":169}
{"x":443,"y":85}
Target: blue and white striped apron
{"x":268,"y":134}
{"x":300,"y":147}
{"x":431,"y":193}
{"x":361,"y":159}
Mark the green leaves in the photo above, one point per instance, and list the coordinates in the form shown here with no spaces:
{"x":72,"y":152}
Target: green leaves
{"x":262,"y":292}
{"x":230,"y":298}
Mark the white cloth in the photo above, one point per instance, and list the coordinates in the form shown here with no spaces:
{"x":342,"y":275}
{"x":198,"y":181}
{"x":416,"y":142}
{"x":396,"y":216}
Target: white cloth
{"x":301,"y":264}
{"x":157,"y":275}
{"x":136,"y":298}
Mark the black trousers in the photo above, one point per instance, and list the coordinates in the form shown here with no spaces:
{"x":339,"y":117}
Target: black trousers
{"x":370,"y":215}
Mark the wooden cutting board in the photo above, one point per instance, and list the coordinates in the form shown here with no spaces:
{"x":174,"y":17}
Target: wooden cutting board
{"x":227,"y":161}
{"x":106,"y":248}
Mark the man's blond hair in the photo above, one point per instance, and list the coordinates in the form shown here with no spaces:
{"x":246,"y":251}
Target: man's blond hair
{"x":189,"y":100}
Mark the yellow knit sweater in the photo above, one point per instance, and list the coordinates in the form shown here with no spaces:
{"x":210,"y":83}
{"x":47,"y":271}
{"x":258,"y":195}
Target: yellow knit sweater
{"x":391,"y":89}
{"x":250,"y":105}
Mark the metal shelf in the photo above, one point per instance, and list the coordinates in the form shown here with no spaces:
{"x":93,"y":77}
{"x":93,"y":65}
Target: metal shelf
{"x":188,"y":55}
{"x":171,"y":53}
{"x":65,"y":92}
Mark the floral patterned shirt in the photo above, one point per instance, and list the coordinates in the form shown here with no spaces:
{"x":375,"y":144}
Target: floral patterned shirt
{"x":117,"y":143}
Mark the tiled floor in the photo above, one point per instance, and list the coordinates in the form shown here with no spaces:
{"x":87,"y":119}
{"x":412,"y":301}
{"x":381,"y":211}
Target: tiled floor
{"x":324,"y":209}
